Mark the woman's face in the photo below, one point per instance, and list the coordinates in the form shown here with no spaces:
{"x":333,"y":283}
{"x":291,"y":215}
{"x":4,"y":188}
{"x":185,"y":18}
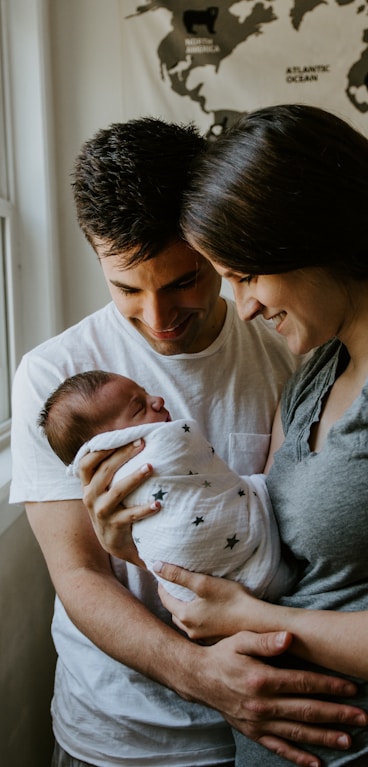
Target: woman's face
{"x":306,"y":306}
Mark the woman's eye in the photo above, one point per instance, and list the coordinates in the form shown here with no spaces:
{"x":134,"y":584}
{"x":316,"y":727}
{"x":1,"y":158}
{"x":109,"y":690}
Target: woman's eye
{"x":247,"y":280}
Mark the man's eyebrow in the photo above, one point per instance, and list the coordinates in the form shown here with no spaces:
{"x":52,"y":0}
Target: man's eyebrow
{"x":119,"y":284}
{"x":183,"y":278}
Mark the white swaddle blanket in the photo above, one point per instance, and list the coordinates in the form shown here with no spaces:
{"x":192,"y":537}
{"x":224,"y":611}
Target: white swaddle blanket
{"x":211,"y":520}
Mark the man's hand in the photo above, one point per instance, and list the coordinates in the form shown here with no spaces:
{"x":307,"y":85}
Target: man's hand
{"x":272,"y":705}
{"x":111,"y":520}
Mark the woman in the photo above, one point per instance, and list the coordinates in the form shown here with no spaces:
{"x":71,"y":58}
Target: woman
{"x":279,"y":205}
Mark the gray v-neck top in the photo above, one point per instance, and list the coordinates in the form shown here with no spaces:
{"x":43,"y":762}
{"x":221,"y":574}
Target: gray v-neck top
{"x":321,"y":499}
{"x":321,"y":505}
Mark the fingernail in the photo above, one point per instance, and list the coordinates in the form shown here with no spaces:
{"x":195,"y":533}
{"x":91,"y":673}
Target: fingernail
{"x":155,"y":506}
{"x":137,"y":442}
{"x":349,"y":689}
{"x":360,"y":719}
{"x":343,"y":741}
{"x":157,"y":567}
{"x":146,"y":468}
{"x":280,"y":638}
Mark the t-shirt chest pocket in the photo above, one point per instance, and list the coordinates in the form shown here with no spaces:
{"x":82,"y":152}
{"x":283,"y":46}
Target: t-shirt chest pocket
{"x":247,"y":453}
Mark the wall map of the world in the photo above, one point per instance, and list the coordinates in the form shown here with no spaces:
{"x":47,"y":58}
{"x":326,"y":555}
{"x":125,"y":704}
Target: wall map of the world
{"x":187,"y":60}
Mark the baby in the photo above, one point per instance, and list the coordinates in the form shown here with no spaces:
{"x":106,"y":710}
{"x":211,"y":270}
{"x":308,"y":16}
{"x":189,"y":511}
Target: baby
{"x":211,"y":520}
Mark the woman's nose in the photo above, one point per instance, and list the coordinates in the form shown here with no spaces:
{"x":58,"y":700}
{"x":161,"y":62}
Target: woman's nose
{"x":247,"y":307}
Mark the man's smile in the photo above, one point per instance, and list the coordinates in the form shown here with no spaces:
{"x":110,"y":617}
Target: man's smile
{"x":169,"y":333}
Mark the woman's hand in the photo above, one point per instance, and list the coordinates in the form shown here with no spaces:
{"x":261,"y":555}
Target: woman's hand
{"x":218,"y":609}
{"x":332,"y":639}
{"x":111,"y":520}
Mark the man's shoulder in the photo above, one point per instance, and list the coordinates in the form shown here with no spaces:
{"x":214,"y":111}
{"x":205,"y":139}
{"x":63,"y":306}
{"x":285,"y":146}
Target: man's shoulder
{"x":95,"y":325}
{"x":89,"y":344}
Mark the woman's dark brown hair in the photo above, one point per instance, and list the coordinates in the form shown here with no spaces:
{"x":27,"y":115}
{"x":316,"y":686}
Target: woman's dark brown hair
{"x":286,"y":187}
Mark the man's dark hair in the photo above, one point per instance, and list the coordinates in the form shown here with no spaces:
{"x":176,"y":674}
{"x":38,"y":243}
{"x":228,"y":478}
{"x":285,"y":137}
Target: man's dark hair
{"x":128,"y":183}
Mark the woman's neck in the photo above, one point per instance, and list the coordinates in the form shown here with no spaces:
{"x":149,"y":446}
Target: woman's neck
{"x":354,"y":333}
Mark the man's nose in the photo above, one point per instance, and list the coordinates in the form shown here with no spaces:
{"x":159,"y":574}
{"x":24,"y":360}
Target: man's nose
{"x":158,"y":312}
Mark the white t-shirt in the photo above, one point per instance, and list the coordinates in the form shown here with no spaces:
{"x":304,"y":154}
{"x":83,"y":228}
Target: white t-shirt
{"x":104,"y":712}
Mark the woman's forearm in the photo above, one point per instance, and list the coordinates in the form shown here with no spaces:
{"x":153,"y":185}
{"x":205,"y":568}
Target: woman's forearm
{"x":336,"y":640}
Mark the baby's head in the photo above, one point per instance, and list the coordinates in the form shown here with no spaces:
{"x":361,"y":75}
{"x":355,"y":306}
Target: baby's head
{"x":93,"y":402}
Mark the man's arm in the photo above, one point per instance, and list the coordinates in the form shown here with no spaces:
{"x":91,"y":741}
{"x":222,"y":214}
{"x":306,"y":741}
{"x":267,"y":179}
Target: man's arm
{"x":263,"y":702}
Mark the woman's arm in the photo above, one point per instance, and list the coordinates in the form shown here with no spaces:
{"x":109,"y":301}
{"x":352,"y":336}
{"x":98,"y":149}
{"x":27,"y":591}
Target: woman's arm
{"x":334,"y":640}
{"x":277,"y":438}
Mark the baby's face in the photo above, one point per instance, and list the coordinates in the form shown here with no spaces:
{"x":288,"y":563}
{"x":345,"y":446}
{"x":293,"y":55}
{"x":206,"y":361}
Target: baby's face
{"x":124,"y":403}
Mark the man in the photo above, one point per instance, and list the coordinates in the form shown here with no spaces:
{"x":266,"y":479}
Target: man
{"x":129,"y":689}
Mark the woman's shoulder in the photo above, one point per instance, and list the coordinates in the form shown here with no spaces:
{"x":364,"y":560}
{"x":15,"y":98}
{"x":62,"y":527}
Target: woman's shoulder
{"x":310,"y":378}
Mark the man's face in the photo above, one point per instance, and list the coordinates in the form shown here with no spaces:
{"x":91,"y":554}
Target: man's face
{"x":172,"y":299}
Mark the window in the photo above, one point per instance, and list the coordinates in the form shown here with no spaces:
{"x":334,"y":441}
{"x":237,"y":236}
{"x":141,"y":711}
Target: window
{"x":6,"y":214}
{"x":29,"y":284}
{"x":4,"y":355}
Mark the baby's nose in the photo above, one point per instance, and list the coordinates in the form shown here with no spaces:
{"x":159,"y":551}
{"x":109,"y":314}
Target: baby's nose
{"x":157,"y":403}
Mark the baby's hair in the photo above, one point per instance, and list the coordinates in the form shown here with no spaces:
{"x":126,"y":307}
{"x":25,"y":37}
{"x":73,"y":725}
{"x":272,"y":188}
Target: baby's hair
{"x":67,"y":419}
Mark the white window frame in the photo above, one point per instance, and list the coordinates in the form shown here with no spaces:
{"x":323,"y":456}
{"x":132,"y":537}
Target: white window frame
{"x":33,"y":284}
{"x":7,"y":336}
{"x":7,"y":213}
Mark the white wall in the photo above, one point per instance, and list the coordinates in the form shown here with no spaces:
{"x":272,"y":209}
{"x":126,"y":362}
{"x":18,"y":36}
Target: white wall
{"x":88,"y":83}
{"x":87,"y":91}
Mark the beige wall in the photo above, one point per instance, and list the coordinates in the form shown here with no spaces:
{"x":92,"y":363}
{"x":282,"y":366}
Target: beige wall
{"x":26,"y":651}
